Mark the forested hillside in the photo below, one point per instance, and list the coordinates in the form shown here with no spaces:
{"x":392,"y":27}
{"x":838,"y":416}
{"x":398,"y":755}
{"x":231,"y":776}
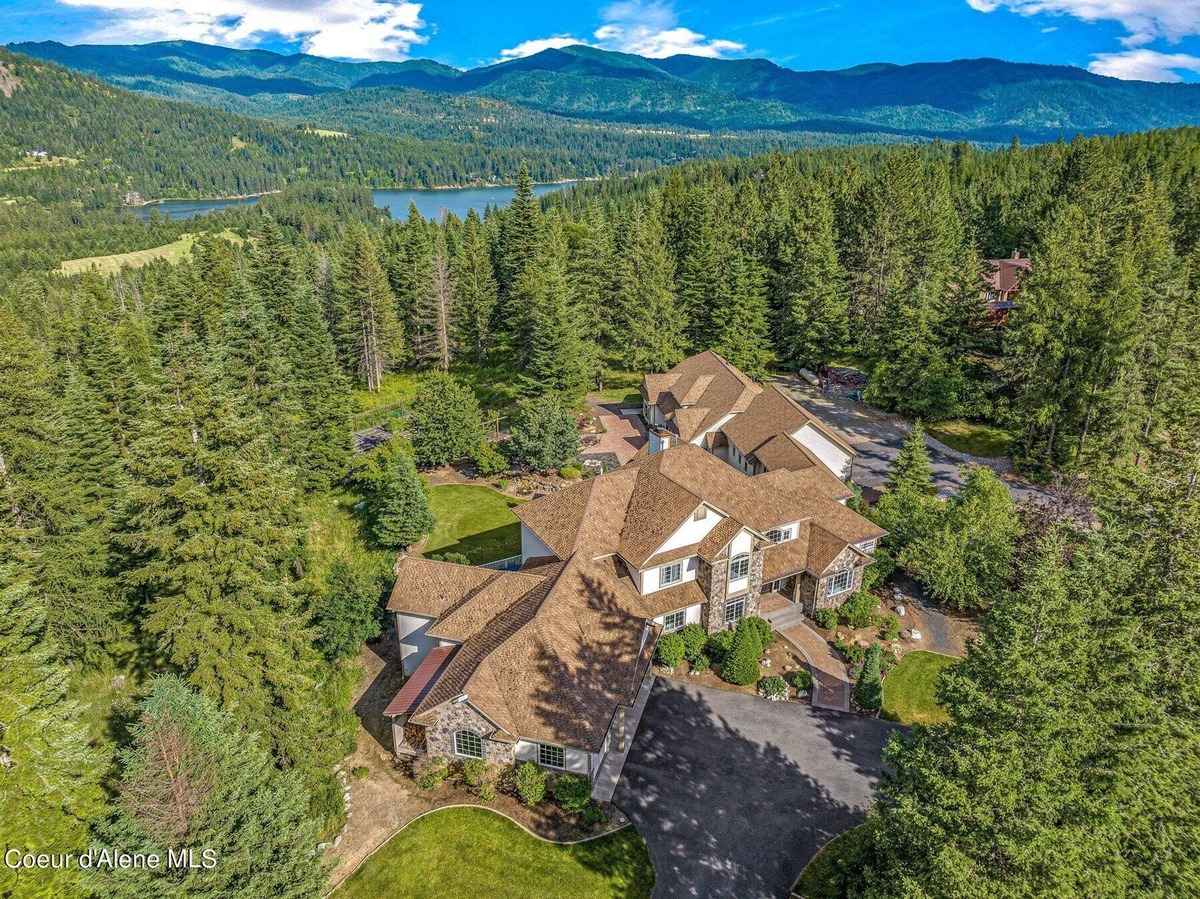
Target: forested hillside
{"x":169,"y":595}
{"x":976,"y":99}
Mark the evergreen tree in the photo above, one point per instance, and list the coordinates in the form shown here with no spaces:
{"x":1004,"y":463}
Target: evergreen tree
{"x":50,"y":775}
{"x":519,"y":235}
{"x":556,"y":359}
{"x":397,"y":504}
{"x":544,"y":434}
{"x":740,"y":318}
{"x":369,"y":336}
{"x":909,"y":509}
{"x":348,"y":611}
{"x":474,"y":290}
{"x":193,"y":778}
{"x":648,"y":326}
{"x":445,"y":425}
{"x":741,"y":664}
{"x":808,"y":286}
{"x":868,"y":689}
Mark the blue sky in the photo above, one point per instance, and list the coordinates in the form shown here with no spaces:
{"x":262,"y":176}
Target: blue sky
{"x":1151,"y":39}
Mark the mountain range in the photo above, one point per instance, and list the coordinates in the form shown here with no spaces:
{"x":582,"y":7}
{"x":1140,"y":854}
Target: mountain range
{"x":987,"y":100}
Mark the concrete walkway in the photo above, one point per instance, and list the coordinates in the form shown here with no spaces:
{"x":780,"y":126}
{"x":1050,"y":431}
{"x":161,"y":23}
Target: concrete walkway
{"x":831,"y":681}
{"x":605,"y":782}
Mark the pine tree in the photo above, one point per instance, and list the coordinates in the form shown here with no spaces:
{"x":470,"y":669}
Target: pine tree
{"x":193,"y":778}
{"x":49,"y":773}
{"x":520,"y":235}
{"x":434,"y":313}
{"x":557,"y":359}
{"x":369,"y":334}
{"x":741,"y":664}
{"x":475,"y":290}
{"x":703,"y":285}
{"x":647,"y":325}
{"x":397,"y":505}
{"x":868,"y":689}
{"x":808,"y":286}
{"x":589,"y":268}
{"x":211,"y":533}
{"x":445,"y":425}
{"x":544,"y":434}
{"x":740,"y":318}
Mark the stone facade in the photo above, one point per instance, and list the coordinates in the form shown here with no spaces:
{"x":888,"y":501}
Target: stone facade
{"x":455,"y":716}
{"x":813,"y":594}
{"x":714,"y":581}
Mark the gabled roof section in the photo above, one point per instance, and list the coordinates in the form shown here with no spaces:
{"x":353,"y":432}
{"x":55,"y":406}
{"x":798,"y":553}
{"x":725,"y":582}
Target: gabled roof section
{"x":781,"y":451}
{"x":773,"y":412}
{"x":700,"y":391}
{"x":427,"y":587}
{"x":420,"y":681}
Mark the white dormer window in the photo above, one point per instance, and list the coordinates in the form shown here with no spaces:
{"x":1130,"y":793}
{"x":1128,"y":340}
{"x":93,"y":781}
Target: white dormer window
{"x":739,"y":566}
{"x":670,"y":574}
{"x":781,"y":535}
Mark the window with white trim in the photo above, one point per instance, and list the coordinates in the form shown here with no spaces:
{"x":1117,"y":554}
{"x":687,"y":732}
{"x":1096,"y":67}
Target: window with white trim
{"x":468,"y":743}
{"x":670,"y":574}
{"x":739,"y":566}
{"x":782,"y":585}
{"x":781,"y":535}
{"x":673,"y":621}
{"x":551,"y":756}
{"x":735,"y":609}
{"x":840,"y":582}
{"x":868,"y":546}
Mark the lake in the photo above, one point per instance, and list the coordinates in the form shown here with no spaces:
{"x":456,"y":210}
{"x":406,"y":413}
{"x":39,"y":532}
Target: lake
{"x":432,"y":204}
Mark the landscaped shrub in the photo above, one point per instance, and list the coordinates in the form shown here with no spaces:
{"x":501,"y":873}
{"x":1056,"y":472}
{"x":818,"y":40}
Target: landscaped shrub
{"x":593,"y":814}
{"x":701,"y":663}
{"x":669,"y":651}
{"x":868,"y":691}
{"x":773,"y":688}
{"x":489,"y":460}
{"x":530,"y":783}
{"x":802,"y":680}
{"x":457,"y":558}
{"x":718,"y":645}
{"x":430,"y":772}
{"x":858,"y":609}
{"x":741,"y":664}
{"x":572,"y":792}
{"x":889,"y":629}
{"x":694,"y":639}
{"x":544,"y":434}
{"x":826,"y":618}
{"x":473,"y":772}
{"x":486,"y":791}
{"x":360,"y":772}
{"x":570,"y":472}
{"x":766,"y":633}
{"x":852,"y":652}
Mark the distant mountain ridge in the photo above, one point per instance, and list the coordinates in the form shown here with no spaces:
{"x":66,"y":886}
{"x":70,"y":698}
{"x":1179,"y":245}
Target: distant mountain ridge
{"x":984,"y":99}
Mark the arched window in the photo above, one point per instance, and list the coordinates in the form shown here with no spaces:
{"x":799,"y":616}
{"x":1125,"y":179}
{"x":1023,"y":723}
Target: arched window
{"x":468,"y":743}
{"x":739,"y":566}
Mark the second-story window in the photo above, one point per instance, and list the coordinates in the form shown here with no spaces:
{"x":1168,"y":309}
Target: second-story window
{"x":779,"y":535}
{"x":739,"y":566}
{"x":670,"y":574}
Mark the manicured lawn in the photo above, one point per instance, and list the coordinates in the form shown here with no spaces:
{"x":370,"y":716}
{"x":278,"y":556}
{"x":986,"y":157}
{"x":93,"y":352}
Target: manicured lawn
{"x":972,"y":437}
{"x":824,"y":877}
{"x":475,"y":521}
{"x":474,"y":852}
{"x":909,"y":690}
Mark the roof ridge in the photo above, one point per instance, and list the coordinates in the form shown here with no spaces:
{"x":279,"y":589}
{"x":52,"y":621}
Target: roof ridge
{"x":814,"y":419}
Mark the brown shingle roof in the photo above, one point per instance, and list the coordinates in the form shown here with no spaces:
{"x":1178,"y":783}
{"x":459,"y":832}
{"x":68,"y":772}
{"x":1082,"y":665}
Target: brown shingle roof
{"x":781,"y":451}
{"x":706,"y":383}
{"x":774,"y":412}
{"x":420,"y":681}
{"x":428,"y":587}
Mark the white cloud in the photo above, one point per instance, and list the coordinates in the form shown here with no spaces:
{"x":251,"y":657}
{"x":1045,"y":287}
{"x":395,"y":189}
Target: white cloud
{"x":1144,"y":65}
{"x":353,"y":29}
{"x":537,"y":45}
{"x":652,"y":29}
{"x":649,"y":29}
{"x":1144,"y":20}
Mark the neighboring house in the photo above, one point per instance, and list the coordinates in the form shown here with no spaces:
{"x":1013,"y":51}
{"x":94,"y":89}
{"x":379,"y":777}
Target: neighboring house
{"x":1003,"y":283}
{"x":706,"y":401}
{"x":546,"y":663}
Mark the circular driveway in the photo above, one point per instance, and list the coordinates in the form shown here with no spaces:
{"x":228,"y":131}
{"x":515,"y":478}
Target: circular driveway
{"x":735,"y":794}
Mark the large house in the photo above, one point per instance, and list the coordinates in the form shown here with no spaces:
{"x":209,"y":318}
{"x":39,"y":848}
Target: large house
{"x":546,"y":663}
{"x":706,"y":401}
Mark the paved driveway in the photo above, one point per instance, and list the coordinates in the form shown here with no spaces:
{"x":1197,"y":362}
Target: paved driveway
{"x":877,"y":437}
{"x":734,"y":794}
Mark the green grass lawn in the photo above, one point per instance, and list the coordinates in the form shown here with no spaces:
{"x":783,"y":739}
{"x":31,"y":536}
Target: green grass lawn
{"x":475,"y":521}
{"x":908,"y":691}
{"x":474,"y":852}
{"x":972,"y":437}
{"x":825,"y":876}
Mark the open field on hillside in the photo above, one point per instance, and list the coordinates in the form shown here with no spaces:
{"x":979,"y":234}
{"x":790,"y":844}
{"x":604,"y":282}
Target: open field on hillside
{"x":107,"y":265}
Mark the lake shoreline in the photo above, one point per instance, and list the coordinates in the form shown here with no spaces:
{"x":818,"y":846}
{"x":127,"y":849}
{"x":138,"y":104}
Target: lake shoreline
{"x":160,"y":200}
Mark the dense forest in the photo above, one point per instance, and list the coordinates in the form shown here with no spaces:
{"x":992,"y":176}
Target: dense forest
{"x":163,"y":432}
